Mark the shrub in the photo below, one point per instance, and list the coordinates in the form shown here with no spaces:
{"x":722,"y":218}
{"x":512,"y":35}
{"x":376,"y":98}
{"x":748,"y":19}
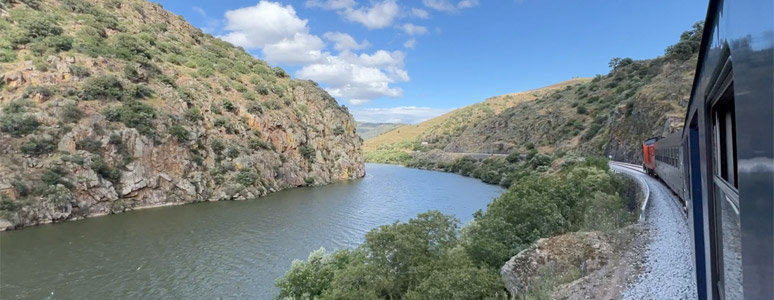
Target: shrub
{"x":307,"y":152}
{"x":229,"y":106}
{"x":106,"y":87}
{"x":581,"y":109}
{"x":255,"y":108}
{"x":39,"y":146}
{"x":246,"y":177}
{"x":338,"y":130}
{"x":89,"y":144}
{"x":257,"y":144}
{"x":71,"y":114}
{"x":104,"y":170}
{"x":18,"y":125}
{"x":43,"y":91}
{"x":130,"y":47}
{"x":79,"y":71}
{"x":179,"y":133}
{"x":217,"y":146}
{"x":115,"y":139}
{"x":279,"y":72}
{"x":58,"y":43}
{"x":135,"y":115}
{"x":309,"y":180}
{"x":232,"y":152}
{"x":54,"y":176}
{"x":193,"y":114}
{"x":37,"y":25}
{"x":7,"y":55}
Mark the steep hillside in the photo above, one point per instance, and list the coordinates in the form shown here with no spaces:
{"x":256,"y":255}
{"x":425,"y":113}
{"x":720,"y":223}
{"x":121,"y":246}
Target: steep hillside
{"x":439,"y":131}
{"x":609,"y":115}
{"x":113,"y":105}
{"x":369,"y":130}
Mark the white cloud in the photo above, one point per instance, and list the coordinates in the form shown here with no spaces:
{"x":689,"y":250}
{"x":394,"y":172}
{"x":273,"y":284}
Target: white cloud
{"x":410,"y":43}
{"x":285,"y":38}
{"x":448,"y":6}
{"x":301,"y":49}
{"x":263,"y":24}
{"x":412,"y":29}
{"x":420,"y":13}
{"x":379,"y":15}
{"x":401,"y":114}
{"x":359,"y":78}
{"x":332,"y":4}
{"x":343,"y":41}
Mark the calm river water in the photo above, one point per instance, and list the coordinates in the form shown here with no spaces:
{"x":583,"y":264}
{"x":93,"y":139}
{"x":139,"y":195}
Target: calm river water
{"x":221,"y":250}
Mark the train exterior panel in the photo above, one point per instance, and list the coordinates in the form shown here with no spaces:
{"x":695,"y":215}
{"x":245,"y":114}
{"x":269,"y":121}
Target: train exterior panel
{"x":728,"y":153}
{"x":669,"y":163}
{"x":649,"y":155}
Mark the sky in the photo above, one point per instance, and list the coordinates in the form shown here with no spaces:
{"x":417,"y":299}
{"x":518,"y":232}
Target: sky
{"x":408,"y":61}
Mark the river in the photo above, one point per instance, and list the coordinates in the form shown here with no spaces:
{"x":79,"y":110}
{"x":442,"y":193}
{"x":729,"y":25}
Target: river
{"x":221,"y":250}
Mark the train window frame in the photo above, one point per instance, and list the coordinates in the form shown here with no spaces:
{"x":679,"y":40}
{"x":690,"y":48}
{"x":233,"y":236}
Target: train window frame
{"x":723,"y":181}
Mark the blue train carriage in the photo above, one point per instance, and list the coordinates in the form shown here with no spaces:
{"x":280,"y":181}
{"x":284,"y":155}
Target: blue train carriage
{"x":728,"y":143}
{"x":669,"y":163}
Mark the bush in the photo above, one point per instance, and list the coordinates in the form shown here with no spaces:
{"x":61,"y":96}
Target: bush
{"x":193,"y":114}
{"x":71,"y":114}
{"x":39,"y":146}
{"x":134,"y":115}
{"x":89,"y":144}
{"x":7,"y":55}
{"x":232,"y":152}
{"x":104,"y":170}
{"x":257,"y":144}
{"x":58,"y":43}
{"x":279,"y":72}
{"x":247,"y":177}
{"x":106,"y":87}
{"x":338,"y":130}
{"x":54,"y":176}
{"x":581,"y":110}
{"x":179,"y":133}
{"x":307,"y":152}
{"x":229,"y":106}
{"x":217,"y":146}
{"x":79,"y":71}
{"x":33,"y":90}
{"x":14,"y":122}
{"x":129,"y":47}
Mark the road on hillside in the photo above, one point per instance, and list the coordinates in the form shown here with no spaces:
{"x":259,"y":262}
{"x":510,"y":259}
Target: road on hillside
{"x":668,"y":268}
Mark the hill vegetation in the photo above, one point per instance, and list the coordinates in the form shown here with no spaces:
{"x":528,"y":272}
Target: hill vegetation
{"x":112,"y":105}
{"x":440,"y":130}
{"x":609,"y":115}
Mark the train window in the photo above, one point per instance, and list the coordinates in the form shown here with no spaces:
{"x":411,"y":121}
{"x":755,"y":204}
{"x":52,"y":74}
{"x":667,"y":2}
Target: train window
{"x":726,"y":197}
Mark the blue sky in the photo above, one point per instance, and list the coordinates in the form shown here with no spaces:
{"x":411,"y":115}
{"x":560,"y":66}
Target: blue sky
{"x":405,"y":61}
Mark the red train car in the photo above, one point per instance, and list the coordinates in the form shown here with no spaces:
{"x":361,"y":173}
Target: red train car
{"x":649,"y":155}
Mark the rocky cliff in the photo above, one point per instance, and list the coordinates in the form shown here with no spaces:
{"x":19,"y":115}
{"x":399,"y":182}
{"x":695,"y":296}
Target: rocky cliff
{"x":109,"y":106}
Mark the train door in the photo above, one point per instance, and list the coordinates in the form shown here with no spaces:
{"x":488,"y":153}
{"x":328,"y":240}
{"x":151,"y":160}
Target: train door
{"x":697,"y":209}
{"x":725,"y":195}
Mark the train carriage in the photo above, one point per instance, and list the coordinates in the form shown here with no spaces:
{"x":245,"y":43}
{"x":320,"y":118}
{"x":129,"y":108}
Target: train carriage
{"x":722,"y":163}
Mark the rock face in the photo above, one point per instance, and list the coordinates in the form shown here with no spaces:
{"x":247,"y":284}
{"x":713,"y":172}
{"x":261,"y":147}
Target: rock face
{"x":162,"y":131}
{"x":564,"y":257}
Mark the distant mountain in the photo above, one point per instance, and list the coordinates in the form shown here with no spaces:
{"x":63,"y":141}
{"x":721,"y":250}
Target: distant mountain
{"x":110,"y":105}
{"x":369,"y":130}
